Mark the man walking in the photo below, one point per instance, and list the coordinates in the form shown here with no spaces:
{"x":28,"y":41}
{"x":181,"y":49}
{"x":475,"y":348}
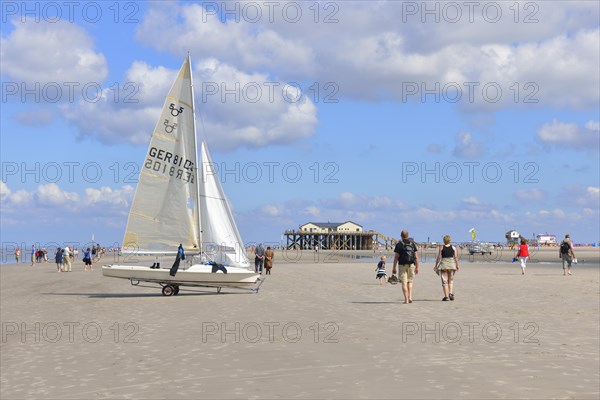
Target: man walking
{"x":66,"y":259}
{"x":259,"y":258}
{"x":567,"y":254}
{"x":407,"y":260}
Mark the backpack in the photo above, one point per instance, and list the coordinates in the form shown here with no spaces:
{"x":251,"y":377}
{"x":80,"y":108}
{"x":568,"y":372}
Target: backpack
{"x":408,"y":254}
{"x":565,"y":248}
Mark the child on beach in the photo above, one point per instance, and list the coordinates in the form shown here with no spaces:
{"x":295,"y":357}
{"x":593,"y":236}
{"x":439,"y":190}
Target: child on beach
{"x":381,"y":271}
{"x":87,"y":259}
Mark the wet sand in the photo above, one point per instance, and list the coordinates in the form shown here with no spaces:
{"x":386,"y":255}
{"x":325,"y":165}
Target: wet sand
{"x":320,"y":327}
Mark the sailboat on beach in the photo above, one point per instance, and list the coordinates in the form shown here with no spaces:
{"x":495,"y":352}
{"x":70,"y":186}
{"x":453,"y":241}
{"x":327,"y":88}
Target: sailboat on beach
{"x":179,"y":202}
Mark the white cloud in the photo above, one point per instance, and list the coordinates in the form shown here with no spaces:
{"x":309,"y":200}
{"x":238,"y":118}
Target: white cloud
{"x":271,"y":119}
{"x":581,"y":195}
{"x":4,"y":191}
{"x":108,"y":196}
{"x":271,"y":210}
{"x":374,"y":48}
{"x":530,"y":195}
{"x":473,"y":206}
{"x":570,"y":135}
{"x":422,"y":221}
{"x":471,"y":200}
{"x":467,"y":148}
{"x":51,"y":195}
{"x":104,"y":201}
{"x":245,"y":45}
{"x":51,"y":52}
{"x":21,"y":198}
{"x":351,"y":201}
{"x":312,"y":211}
{"x":109,"y":123}
{"x":594,"y":191}
{"x":229,"y":122}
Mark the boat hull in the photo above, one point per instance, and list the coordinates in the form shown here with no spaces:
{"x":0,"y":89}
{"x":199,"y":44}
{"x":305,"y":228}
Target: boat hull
{"x":196,"y":275}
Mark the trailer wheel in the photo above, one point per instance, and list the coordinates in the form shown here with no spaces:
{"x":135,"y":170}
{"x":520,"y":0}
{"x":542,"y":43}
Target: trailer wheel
{"x":168,"y":290}
{"x":176,"y":290}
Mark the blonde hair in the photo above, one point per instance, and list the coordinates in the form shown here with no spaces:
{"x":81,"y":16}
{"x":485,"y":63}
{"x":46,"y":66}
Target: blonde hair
{"x":446,"y":239}
{"x":383,"y":258}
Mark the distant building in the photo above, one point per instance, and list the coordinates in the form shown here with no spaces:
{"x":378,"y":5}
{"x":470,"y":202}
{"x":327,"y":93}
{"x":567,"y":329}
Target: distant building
{"x":546,"y":239}
{"x":326,"y":227}
{"x":512,"y":235}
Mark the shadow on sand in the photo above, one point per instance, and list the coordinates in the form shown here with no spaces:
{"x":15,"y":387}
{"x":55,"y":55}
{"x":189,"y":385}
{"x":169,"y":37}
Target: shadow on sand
{"x":182,"y":293}
{"x":390,"y":302}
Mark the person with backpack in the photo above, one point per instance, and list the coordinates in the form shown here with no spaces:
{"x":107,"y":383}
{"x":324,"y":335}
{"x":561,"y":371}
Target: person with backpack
{"x":87,"y":259}
{"x":447,"y":264}
{"x":407,"y":260}
{"x":567,"y":254}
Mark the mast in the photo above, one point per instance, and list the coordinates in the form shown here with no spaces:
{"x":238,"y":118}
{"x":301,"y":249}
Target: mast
{"x":198,"y":166}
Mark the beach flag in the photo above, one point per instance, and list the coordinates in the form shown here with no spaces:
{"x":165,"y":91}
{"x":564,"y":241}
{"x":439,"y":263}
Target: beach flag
{"x":472,"y":232}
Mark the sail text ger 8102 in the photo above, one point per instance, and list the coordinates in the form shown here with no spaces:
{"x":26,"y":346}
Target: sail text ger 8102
{"x":167,"y":163}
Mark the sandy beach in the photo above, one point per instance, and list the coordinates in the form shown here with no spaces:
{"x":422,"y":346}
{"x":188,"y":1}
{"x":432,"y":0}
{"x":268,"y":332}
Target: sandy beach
{"x":320,"y":327}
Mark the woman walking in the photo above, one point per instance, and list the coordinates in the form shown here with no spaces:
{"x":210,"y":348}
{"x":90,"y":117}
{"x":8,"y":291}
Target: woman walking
{"x":269,"y":254}
{"x":447,"y":263}
{"x":59,"y":259}
{"x":523,"y":255}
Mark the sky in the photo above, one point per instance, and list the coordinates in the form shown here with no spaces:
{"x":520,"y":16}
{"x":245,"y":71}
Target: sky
{"x":435,"y":117}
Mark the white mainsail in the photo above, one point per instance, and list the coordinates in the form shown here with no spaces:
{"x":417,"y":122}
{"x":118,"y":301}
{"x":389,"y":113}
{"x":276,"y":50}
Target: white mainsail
{"x":220,"y":236}
{"x":164,"y":212}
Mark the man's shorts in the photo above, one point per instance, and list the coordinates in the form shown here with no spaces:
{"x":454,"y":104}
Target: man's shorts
{"x":566,"y":258}
{"x":406,"y":273}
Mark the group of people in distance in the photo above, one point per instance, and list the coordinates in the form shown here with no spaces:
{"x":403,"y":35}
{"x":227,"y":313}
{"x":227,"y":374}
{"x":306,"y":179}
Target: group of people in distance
{"x":65,"y":256}
{"x":406,"y":264}
{"x":566,"y":253}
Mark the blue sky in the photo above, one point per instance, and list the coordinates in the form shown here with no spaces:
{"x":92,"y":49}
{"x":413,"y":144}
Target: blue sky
{"x":434,"y":121}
